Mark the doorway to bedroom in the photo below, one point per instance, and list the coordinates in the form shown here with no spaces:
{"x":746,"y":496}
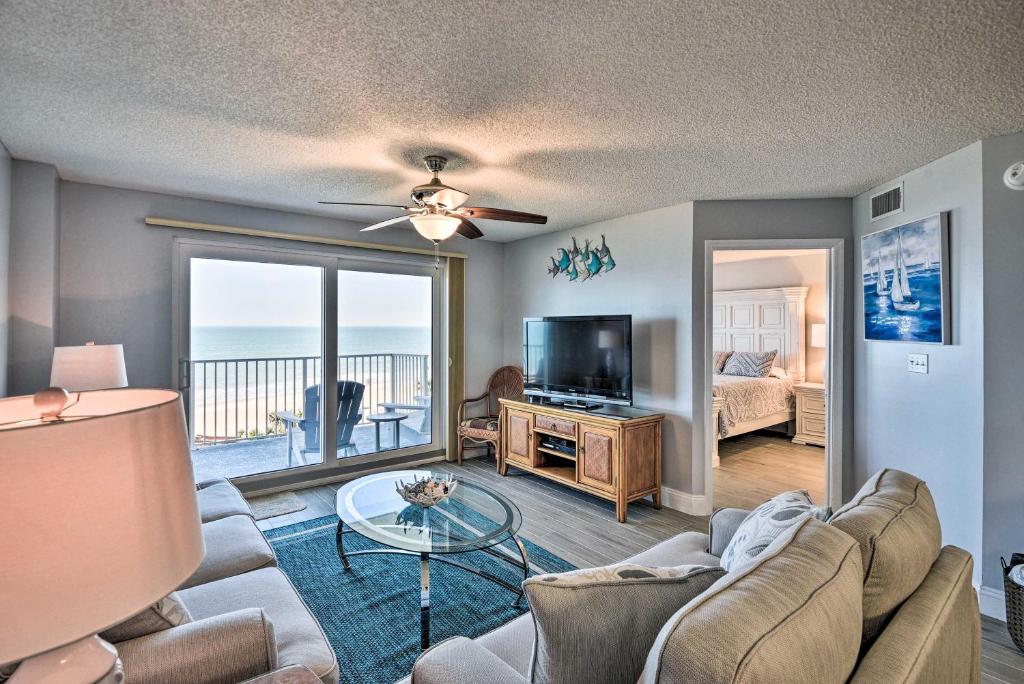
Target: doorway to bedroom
{"x":770,"y":328}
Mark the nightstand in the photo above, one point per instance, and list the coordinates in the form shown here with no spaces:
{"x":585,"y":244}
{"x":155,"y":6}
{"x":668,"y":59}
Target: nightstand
{"x":811,"y":413}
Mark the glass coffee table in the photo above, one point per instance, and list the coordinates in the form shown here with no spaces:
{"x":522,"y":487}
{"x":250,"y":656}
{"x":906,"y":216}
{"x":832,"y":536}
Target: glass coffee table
{"x":473,"y":518}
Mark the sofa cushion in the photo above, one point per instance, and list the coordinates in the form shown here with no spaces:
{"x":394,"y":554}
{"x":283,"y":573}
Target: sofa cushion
{"x":168,"y":612}
{"x":300,"y":641}
{"x":765,"y":523}
{"x":794,"y":615}
{"x":233,"y":545}
{"x":604,"y":620}
{"x":893,"y":518}
{"x":218,"y":499}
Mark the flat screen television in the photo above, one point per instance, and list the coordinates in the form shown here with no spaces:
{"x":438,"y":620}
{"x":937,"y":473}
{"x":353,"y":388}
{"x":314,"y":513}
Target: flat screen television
{"x":581,"y":360}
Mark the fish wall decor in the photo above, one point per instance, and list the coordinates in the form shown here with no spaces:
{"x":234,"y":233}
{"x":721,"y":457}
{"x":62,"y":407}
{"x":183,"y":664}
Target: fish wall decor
{"x":580,"y":265}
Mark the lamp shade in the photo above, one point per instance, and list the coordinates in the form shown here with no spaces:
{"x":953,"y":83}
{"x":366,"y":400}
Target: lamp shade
{"x":435,"y":227}
{"x":818,"y":335}
{"x":98,"y":519}
{"x":89,"y":367}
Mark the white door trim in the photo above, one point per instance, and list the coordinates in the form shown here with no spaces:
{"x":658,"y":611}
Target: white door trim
{"x":834,"y":278}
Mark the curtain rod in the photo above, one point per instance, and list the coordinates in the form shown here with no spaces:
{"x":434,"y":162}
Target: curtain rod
{"x":277,"y":235}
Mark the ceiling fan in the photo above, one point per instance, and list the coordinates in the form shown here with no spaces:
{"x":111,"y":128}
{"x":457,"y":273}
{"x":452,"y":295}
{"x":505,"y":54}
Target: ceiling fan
{"x":438,"y":213}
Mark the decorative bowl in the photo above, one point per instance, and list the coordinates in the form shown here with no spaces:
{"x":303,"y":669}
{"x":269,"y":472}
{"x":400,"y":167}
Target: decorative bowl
{"x":426,"y":491}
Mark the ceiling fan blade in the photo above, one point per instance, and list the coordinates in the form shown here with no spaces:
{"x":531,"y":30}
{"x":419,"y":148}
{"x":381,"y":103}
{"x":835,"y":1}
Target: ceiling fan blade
{"x":363,"y":204}
{"x":448,"y":197}
{"x":503,"y":215}
{"x":468,"y":230}
{"x":384,"y":224}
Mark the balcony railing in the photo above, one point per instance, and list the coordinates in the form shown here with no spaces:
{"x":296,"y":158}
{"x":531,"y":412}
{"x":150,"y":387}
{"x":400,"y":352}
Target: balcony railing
{"x":236,"y":399}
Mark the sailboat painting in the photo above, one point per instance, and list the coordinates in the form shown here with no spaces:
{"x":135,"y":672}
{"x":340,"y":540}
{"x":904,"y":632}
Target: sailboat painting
{"x":906,"y":282}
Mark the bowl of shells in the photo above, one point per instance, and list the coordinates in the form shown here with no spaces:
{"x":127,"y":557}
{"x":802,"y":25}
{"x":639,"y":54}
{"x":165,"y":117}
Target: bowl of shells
{"x":426,"y":491}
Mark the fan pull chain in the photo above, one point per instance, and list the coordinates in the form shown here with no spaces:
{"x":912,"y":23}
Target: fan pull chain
{"x":437,"y":257}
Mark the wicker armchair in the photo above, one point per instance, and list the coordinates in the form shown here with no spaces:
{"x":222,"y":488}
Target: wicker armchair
{"x":504,"y":383}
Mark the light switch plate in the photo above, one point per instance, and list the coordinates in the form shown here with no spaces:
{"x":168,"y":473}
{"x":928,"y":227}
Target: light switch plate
{"x":917,"y":363}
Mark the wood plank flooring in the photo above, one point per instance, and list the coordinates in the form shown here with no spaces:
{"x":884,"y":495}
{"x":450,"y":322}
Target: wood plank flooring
{"x":582,"y":530}
{"x":758,"y":465}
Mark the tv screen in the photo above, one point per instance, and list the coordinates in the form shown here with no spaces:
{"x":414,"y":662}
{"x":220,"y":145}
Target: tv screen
{"x":579,"y":356}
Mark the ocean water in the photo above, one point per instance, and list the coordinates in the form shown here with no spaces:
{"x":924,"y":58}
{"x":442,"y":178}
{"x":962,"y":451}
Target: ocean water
{"x":883,"y":322}
{"x":223,"y":342}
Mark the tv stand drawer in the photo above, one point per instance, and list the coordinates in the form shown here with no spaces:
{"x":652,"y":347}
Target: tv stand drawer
{"x":562,"y":427}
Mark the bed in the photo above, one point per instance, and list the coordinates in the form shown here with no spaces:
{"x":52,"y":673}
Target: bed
{"x":757,"y":320}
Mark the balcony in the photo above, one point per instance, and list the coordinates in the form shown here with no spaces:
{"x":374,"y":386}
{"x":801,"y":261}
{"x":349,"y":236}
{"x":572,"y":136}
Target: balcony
{"x":236,"y":405}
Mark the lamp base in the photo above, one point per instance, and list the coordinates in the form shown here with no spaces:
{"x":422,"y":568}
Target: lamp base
{"x":87,"y":661}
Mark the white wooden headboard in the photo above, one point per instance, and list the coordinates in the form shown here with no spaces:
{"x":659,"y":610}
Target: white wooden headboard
{"x":763,"y":320}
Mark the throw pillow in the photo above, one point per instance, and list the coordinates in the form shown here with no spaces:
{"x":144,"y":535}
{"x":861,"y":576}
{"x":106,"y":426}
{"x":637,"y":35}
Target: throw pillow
{"x":595,"y":626}
{"x":765,"y":523}
{"x":718,"y":361}
{"x":750,"y":364}
{"x":166,"y":613}
{"x":778,"y":372}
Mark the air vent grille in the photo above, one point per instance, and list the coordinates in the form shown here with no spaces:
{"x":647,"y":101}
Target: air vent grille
{"x":887,"y":202}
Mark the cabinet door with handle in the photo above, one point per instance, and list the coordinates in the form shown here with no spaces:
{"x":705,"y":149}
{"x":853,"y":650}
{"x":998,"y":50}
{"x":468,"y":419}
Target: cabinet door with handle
{"x":597,"y":463}
{"x":519,"y":440}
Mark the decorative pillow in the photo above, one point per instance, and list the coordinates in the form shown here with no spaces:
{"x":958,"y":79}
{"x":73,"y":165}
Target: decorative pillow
{"x":778,"y":372}
{"x":765,"y":523}
{"x":604,"y":620}
{"x":750,"y":364}
{"x":718,"y":361}
{"x":166,"y":613}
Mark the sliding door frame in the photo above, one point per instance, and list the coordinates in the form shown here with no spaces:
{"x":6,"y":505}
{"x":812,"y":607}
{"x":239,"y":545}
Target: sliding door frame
{"x":330,"y":261}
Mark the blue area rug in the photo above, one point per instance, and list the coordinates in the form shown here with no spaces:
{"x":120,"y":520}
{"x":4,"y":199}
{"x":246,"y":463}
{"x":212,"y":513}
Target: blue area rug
{"x":371,"y":614}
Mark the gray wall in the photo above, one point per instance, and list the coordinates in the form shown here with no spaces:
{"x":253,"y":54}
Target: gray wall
{"x":761,"y":219}
{"x":809,"y":270}
{"x":115,"y":277}
{"x":5,"y":244}
{"x":1004,"y":373}
{"x":32,"y":295}
{"x":931,"y":425}
{"x":652,"y":251}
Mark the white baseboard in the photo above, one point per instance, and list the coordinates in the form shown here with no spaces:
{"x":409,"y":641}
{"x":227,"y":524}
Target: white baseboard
{"x":693,"y":504}
{"x":992,"y":603}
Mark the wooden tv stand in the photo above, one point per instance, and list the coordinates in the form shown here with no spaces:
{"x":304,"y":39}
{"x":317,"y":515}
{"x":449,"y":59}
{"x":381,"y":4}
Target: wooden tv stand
{"x":618,"y":459}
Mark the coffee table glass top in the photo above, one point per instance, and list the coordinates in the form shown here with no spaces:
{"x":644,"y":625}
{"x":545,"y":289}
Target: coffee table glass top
{"x":473,"y":517}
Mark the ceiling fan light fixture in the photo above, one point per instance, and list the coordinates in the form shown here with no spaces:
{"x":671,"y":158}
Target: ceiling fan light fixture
{"x":435,"y":227}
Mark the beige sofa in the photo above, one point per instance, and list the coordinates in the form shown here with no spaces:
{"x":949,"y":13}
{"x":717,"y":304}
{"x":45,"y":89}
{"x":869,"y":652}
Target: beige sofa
{"x":244,"y":616}
{"x":868,"y":597}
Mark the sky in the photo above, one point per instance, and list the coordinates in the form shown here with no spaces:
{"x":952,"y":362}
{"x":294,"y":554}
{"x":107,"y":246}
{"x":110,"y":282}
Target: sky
{"x":921,"y":242}
{"x":240,"y":293}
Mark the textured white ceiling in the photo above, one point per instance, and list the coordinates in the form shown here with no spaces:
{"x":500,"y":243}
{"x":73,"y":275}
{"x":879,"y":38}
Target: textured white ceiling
{"x":582,"y":111}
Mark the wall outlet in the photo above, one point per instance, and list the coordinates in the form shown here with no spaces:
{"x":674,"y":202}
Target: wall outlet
{"x":917,"y":363}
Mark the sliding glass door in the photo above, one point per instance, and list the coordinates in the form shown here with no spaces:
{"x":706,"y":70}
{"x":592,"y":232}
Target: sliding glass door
{"x":253,"y":352}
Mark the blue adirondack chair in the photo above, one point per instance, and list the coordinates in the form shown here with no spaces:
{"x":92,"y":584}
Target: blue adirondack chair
{"x":350,"y":400}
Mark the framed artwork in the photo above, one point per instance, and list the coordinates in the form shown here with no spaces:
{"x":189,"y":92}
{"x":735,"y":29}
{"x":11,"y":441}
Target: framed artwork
{"x":906,"y":282}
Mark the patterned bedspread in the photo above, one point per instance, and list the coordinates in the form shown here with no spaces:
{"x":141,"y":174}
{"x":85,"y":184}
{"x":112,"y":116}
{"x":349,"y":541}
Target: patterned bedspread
{"x":750,"y":398}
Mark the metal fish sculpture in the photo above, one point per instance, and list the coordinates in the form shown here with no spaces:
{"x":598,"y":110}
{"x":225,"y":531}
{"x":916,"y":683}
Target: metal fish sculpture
{"x":553,"y":269}
{"x":581,"y":265}
{"x":609,"y":263}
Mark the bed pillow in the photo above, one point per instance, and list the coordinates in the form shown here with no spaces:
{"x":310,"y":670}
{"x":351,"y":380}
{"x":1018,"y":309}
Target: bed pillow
{"x":767,"y":522}
{"x":779,"y":372}
{"x":605,"y":619}
{"x":750,"y":364}
{"x":718,"y":361}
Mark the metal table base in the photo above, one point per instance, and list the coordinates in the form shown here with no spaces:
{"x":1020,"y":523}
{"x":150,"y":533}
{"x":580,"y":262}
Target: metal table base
{"x":425,"y":559}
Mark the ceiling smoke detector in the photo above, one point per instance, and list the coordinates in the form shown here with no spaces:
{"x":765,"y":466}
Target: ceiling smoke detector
{"x":1014,"y":176}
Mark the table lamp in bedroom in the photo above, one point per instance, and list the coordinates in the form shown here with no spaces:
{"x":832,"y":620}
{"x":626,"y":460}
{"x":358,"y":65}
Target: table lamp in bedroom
{"x":99,"y":521}
{"x":818,"y":332}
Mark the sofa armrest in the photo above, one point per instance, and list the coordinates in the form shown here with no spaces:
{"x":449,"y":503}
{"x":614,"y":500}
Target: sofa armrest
{"x":462,"y":661}
{"x":723,"y":525}
{"x":222,"y":649}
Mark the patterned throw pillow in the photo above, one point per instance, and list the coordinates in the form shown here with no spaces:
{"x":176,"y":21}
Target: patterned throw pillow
{"x":718,"y":361}
{"x":605,"y":620}
{"x":166,"y":613}
{"x":750,"y":364}
{"x":765,"y":523}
